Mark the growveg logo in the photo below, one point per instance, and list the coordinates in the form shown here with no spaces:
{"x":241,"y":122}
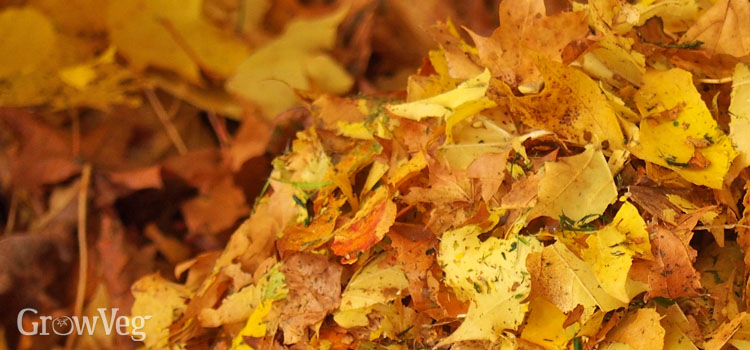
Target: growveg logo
{"x":67,"y":325}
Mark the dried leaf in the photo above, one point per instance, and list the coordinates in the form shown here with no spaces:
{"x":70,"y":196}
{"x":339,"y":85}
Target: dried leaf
{"x":576,"y":187}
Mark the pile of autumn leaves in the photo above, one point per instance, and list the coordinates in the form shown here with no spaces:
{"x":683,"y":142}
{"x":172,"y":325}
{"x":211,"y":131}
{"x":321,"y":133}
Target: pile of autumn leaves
{"x":564,"y":183}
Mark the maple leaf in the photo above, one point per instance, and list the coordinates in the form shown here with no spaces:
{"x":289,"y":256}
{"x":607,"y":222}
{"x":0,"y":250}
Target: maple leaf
{"x":610,"y":250}
{"x":577,"y":187}
{"x":723,"y":29}
{"x":641,"y":330}
{"x":491,"y":275}
{"x":467,"y":99}
{"x":566,"y":281}
{"x":675,"y":121}
{"x":314,"y":291}
{"x":524,"y":28}
{"x":297,"y":59}
{"x":161,"y":300}
{"x":672,"y":273}
{"x":545,"y":326}
{"x":378,"y":282}
{"x":368,"y":226}
{"x":172,"y":35}
{"x":572,"y":105}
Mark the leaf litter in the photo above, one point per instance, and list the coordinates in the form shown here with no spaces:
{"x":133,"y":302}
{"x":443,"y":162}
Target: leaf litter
{"x":575,"y":178}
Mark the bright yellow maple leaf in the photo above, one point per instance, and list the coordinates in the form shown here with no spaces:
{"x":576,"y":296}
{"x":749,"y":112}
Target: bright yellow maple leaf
{"x":544,"y":325}
{"x":28,"y":41}
{"x":467,"y":99}
{"x":576,"y":187}
{"x":640,"y":330}
{"x":492,"y":275}
{"x":567,"y":281}
{"x":678,"y":131}
{"x":297,"y":59}
{"x":173,"y":35}
{"x":610,"y":250}
{"x":275,"y":289}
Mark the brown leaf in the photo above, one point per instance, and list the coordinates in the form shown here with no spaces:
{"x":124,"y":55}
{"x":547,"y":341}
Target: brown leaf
{"x":417,"y":252}
{"x":44,"y":155}
{"x":672,"y":273}
{"x":314,"y":291}
{"x":525,"y":27}
{"x":217,"y":210}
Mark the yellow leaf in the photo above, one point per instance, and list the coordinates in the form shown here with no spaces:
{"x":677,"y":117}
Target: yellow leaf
{"x":172,"y":35}
{"x":610,"y":250}
{"x":571,"y":105}
{"x":28,"y":40}
{"x":239,"y":305}
{"x":616,"y":54}
{"x":567,"y":281}
{"x":296,"y":59}
{"x":641,"y":330}
{"x":163,"y":301}
{"x":492,"y":275}
{"x":673,"y":322}
{"x":723,"y":29}
{"x":137,"y":29}
{"x":545,"y":326}
{"x":739,"y":112}
{"x":372,"y":285}
{"x":255,"y":327}
{"x":724,"y":332}
{"x":678,"y":131}
{"x":467,"y":99}
{"x":610,"y":261}
{"x":577,"y":187}
{"x":274,"y":288}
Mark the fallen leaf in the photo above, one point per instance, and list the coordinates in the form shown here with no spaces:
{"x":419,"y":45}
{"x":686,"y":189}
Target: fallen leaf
{"x":377,"y":282}
{"x":722,"y":29}
{"x":524,"y":28}
{"x":674,"y":113}
{"x":544,"y":326}
{"x":297,"y":59}
{"x":367,"y":227}
{"x":575,"y":187}
{"x":565,"y":280}
{"x":572,"y":105}
{"x":314,"y":292}
{"x":490,"y":274}
{"x":641,"y":330}
{"x":611,"y":250}
{"x":162,"y":301}
{"x":672,"y":273}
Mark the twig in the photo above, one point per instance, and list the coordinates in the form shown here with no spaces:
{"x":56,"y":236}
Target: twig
{"x":728,"y":227}
{"x":83,"y":253}
{"x":171,"y":130}
{"x":11,"y":223}
{"x":715,"y":81}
